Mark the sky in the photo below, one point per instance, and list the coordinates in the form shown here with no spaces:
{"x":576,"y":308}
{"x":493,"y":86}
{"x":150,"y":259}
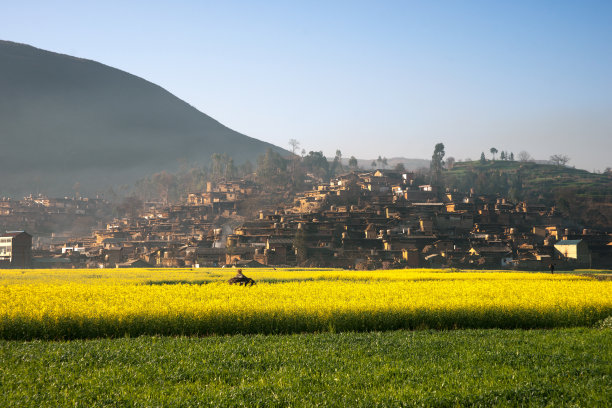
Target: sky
{"x":388,"y":78}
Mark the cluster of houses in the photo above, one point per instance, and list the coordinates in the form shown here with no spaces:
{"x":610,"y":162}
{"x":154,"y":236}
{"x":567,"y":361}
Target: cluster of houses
{"x":382,"y":219}
{"x":160,"y":235}
{"x":53,"y":220}
{"x":378,"y":219}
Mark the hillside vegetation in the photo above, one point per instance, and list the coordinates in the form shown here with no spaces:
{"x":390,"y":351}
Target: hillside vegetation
{"x":540,"y":179}
{"x":583,"y":197}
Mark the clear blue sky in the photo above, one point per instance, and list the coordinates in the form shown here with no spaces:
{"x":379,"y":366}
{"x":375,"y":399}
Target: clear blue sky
{"x":370,"y":78}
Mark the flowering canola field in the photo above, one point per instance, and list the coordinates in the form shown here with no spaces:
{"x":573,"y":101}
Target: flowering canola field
{"x":67,"y":304}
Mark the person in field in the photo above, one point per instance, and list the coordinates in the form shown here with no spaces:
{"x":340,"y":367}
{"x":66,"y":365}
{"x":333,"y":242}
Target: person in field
{"x":551,"y":267}
{"x":241,"y":279}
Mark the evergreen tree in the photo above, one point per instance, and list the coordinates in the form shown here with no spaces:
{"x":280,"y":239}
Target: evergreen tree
{"x":271,"y":168}
{"x":317,"y":164}
{"x":437,"y":163}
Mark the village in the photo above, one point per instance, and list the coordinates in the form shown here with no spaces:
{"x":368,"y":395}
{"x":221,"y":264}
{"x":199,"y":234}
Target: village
{"x":377,"y":219}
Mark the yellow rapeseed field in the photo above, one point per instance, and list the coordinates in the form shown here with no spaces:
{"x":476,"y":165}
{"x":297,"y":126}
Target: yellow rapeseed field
{"x":52,"y":304}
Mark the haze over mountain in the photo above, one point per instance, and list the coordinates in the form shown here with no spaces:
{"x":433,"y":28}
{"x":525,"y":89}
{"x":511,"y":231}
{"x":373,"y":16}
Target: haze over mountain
{"x":65,"y":120}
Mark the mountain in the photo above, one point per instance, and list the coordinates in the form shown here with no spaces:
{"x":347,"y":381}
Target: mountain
{"x":65,"y":120}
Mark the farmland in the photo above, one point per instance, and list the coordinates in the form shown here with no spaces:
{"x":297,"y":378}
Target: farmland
{"x":558,"y":367}
{"x":150,"y":337}
{"x":115,"y":303}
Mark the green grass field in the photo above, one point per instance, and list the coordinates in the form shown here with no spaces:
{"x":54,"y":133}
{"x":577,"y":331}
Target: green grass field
{"x":560,"y":367}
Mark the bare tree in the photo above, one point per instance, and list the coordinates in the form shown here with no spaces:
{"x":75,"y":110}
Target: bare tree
{"x":559,"y":159}
{"x":524,"y":156}
{"x":294,"y":145}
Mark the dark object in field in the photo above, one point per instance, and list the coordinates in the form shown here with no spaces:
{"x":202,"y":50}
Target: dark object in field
{"x":241,"y":279}
{"x":552,"y":268}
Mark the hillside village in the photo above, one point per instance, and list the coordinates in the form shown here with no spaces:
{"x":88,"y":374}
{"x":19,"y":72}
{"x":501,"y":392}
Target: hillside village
{"x":357,"y":220}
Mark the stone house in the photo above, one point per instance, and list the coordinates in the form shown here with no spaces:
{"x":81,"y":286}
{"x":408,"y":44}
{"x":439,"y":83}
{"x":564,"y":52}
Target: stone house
{"x":575,"y":250}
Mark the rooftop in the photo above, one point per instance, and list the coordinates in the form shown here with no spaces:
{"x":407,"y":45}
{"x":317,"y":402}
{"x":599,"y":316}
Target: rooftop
{"x":569,"y":242}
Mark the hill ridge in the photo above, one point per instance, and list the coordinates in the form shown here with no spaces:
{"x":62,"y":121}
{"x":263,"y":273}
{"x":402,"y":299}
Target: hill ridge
{"x":70,"y":119}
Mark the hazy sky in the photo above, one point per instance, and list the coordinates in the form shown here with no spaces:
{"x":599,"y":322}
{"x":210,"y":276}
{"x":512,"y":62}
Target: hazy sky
{"x":370,"y":78}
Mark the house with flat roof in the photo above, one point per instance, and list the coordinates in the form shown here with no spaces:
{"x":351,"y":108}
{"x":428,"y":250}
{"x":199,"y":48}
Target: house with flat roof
{"x":16,"y":249}
{"x":575,"y":250}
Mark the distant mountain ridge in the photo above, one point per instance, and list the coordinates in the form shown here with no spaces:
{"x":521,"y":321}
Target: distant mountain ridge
{"x":409,"y":164}
{"x":65,"y":120}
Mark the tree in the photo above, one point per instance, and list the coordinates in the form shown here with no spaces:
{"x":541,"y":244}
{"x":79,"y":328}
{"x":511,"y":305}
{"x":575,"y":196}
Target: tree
{"x":450,"y":162}
{"x":384,"y":162}
{"x":559,"y":159}
{"x":502,"y":156}
{"x":165,"y":182}
{"x":483,"y":159}
{"x":230,"y":169}
{"x":400,"y":167}
{"x":524,"y":156}
{"x":216,"y":165}
{"x":436,"y":165}
{"x":337,"y":163}
{"x":493,"y":152}
{"x":353,"y":162}
{"x":317,"y":164}
{"x":373,"y":164}
{"x":294,"y":158}
{"x":246,"y":168}
{"x":379,"y":161}
{"x":294,"y":145}
{"x":271,"y":168}
{"x":511,"y":156}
